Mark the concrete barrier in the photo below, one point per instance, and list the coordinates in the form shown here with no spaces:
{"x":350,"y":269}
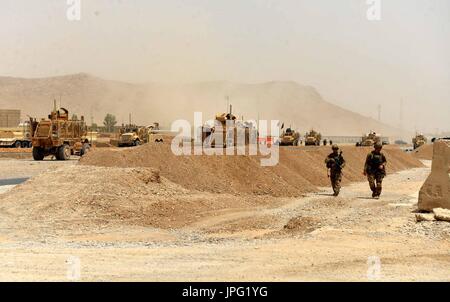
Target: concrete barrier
{"x":435,"y":192}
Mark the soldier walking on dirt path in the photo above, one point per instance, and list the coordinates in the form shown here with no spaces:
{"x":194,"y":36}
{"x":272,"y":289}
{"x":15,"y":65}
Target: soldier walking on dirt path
{"x":335,"y":163}
{"x":375,"y":170}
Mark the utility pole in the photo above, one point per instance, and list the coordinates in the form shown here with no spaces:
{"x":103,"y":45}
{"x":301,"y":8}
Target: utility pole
{"x":92,"y":117}
{"x":401,"y":114}
{"x":228,"y":102}
{"x":379,"y":113}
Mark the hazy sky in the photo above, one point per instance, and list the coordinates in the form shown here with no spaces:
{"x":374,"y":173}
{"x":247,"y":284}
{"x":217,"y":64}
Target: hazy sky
{"x":328,"y":44}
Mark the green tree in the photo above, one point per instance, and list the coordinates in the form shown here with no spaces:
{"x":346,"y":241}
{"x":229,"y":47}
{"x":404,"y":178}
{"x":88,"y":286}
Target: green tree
{"x":94,"y":127}
{"x":109,"y":122}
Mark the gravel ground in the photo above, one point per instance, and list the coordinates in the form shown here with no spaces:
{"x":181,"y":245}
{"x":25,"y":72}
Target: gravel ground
{"x":317,"y":237}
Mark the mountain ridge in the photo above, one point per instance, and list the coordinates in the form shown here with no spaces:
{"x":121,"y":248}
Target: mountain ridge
{"x":295,"y":104}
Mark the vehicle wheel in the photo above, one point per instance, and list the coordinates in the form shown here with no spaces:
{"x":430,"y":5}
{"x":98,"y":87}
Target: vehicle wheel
{"x":295,"y":143}
{"x":137,"y":143}
{"x":17,"y":144}
{"x":30,"y":145}
{"x":24,"y":145}
{"x":63,"y":153}
{"x":86,"y":148}
{"x":38,"y":153}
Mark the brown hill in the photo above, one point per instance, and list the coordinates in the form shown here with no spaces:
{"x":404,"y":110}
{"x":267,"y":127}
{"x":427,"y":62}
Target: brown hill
{"x":295,"y":104}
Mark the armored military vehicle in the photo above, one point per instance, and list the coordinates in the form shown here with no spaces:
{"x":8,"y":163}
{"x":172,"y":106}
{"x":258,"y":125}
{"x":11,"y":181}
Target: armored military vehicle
{"x":369,"y":139}
{"x":230,"y":127}
{"x":289,"y":137}
{"x":130,"y":135}
{"x":59,"y":136}
{"x":133,"y":135}
{"x":313,"y":138}
{"x":419,"y":140}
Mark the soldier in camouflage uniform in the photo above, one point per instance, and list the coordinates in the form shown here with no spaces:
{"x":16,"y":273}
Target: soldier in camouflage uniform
{"x":335,"y":163}
{"x":375,"y":170}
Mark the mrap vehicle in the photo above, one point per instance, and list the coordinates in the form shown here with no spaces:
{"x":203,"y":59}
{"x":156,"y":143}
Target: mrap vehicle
{"x":59,"y":136}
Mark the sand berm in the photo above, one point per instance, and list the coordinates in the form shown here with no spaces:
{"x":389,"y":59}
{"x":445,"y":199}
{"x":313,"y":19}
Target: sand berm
{"x":300,"y":170}
{"x":149,"y":186}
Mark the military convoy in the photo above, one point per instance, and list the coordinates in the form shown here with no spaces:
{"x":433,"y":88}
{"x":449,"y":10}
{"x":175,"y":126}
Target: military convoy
{"x":419,"y":140}
{"x":19,"y":137}
{"x":62,"y":137}
{"x":230,"y":125}
{"x":59,"y":136}
{"x":313,"y":138}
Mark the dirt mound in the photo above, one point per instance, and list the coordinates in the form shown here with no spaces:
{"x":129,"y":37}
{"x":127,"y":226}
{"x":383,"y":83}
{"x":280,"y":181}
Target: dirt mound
{"x":149,"y":186}
{"x":101,"y":194}
{"x":299,"y":171}
{"x":302,"y":224}
{"x":103,"y":145}
{"x":424,"y":152}
{"x":216,"y":174}
{"x":81,"y":198}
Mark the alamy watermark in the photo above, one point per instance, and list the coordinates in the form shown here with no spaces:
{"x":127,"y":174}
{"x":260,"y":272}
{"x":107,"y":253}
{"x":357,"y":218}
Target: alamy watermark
{"x":73,"y":268}
{"x":227,"y":137}
{"x":374,"y":10}
{"x":373,"y":268}
{"x":73,"y":12}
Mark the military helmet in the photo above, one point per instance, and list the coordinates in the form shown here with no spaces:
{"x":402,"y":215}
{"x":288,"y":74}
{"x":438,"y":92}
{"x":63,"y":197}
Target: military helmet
{"x":335,"y":147}
{"x":378,"y":145}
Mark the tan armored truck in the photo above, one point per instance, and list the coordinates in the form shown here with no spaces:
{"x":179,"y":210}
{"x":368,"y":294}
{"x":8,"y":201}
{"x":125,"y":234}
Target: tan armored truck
{"x":230,"y":126}
{"x":313,"y":138}
{"x":419,"y":140}
{"x":59,"y":136}
{"x":369,"y":139}
{"x":289,"y":137}
{"x":132,"y":135}
{"x":19,"y":137}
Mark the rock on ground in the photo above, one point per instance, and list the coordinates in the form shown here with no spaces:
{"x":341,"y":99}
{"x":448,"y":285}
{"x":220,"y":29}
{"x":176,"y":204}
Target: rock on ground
{"x":442,"y":214}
